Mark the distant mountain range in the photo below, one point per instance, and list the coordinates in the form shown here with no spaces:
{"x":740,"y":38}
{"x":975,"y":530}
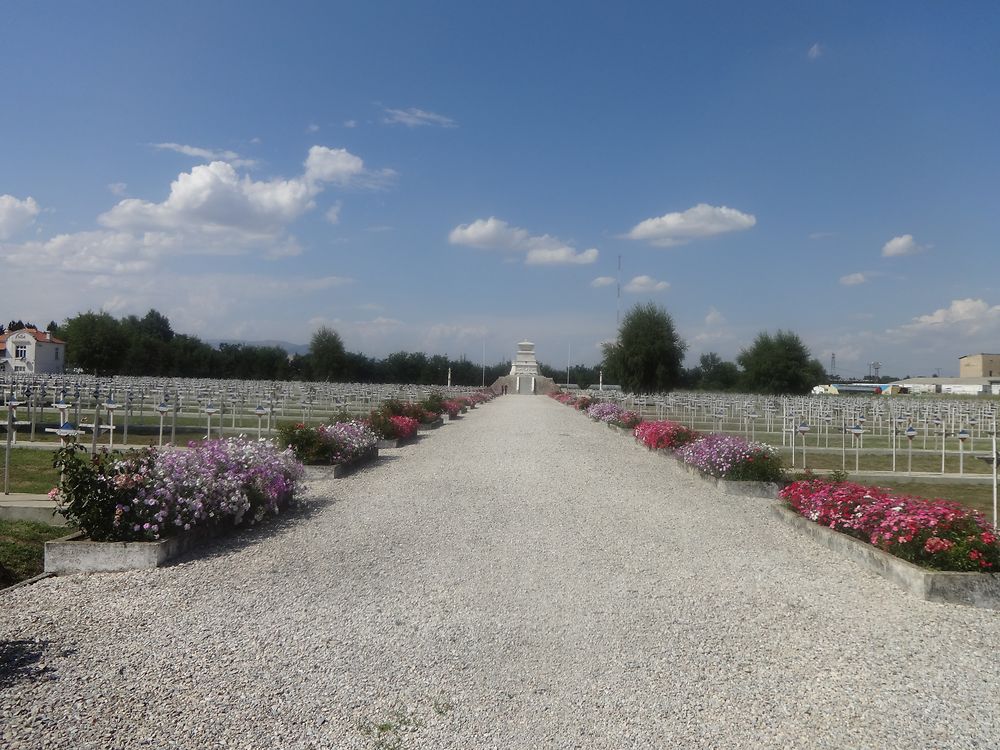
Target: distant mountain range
{"x":287,"y":346}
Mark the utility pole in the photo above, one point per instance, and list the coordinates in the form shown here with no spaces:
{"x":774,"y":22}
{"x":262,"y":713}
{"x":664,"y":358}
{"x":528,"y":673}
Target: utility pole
{"x":618,"y":314}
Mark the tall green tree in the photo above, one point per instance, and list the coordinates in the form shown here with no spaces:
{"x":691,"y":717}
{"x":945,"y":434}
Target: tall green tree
{"x":648,"y":354}
{"x":779,"y":364}
{"x":95,"y":342}
{"x":326,"y":354}
{"x":714,"y":374}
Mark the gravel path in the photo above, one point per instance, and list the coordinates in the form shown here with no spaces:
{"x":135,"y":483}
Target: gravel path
{"x":520,"y":578}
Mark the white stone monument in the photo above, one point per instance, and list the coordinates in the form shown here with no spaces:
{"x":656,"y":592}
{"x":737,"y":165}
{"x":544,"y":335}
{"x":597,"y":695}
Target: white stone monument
{"x":525,"y":363}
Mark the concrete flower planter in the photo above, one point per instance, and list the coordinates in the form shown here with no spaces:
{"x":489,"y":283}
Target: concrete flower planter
{"x":424,"y":427}
{"x":77,"y":554}
{"x":972,"y":589}
{"x":342,"y":470}
{"x":385,"y":444}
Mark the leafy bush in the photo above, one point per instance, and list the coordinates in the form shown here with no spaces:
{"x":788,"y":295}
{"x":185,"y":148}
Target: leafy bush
{"x":336,"y":443}
{"x":664,"y":434}
{"x":434,"y":402}
{"x":732,"y":457}
{"x":389,"y":427}
{"x":936,"y":534}
{"x":92,"y":487}
{"x":627,"y":419}
{"x":405,"y":427}
{"x":149,"y":494}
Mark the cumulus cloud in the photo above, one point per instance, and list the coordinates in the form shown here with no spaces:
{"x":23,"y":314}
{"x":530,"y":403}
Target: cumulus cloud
{"x":214,"y":197}
{"x":230,"y":157}
{"x":645,"y":285}
{"x":414,"y":117}
{"x":853,"y":279}
{"x":714,"y":317}
{"x":602,"y":281}
{"x":815,"y":52}
{"x":118,"y":188}
{"x":963,"y":316}
{"x":695,"y":223}
{"x":16,"y":215}
{"x":556,"y":256}
{"x":211,"y":210}
{"x":904,"y":244}
{"x":543,"y":249}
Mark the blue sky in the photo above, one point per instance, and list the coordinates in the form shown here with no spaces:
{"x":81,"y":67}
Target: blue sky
{"x":439,"y":176}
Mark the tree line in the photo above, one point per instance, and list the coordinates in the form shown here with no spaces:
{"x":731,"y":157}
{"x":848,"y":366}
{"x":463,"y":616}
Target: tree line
{"x":648,"y":357}
{"x":98,"y":343}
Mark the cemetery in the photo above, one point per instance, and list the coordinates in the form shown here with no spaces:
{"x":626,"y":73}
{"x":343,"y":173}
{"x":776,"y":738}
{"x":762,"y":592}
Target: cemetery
{"x":664,"y":453}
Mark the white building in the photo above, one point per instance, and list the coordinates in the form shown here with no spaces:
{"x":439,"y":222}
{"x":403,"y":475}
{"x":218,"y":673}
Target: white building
{"x":32,"y":351}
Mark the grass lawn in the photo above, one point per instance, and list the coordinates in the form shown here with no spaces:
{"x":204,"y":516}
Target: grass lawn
{"x":31,"y":471}
{"x":925,"y":462}
{"x":22,"y":548}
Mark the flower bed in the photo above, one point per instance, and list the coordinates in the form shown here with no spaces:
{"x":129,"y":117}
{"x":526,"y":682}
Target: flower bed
{"x":392,"y":427}
{"x":339,"y":443}
{"x":150,"y":494}
{"x":664,"y":434}
{"x":936,"y":534}
{"x":733,"y":458}
{"x":604,"y":411}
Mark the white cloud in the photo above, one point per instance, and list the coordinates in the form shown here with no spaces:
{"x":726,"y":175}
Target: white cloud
{"x":211,"y":210}
{"x":359,"y":330}
{"x":350,"y":123}
{"x":118,"y":188}
{"x":451,"y":332}
{"x":336,"y":165}
{"x":714,"y":317}
{"x":695,"y":223}
{"x":542,"y":249}
{"x":213,"y":198}
{"x":815,"y":52}
{"x":904,"y":244}
{"x":556,"y":256}
{"x":602,"y":281}
{"x":230,"y":157}
{"x":312,"y":128}
{"x":16,"y":215}
{"x":491,"y":233}
{"x":853,"y":279}
{"x":645,"y":284}
{"x":414,"y":117}
{"x":333,"y":213}
{"x":963,"y":316}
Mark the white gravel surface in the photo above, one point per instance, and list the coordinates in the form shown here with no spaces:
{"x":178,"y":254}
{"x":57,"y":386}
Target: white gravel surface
{"x":520,"y":578}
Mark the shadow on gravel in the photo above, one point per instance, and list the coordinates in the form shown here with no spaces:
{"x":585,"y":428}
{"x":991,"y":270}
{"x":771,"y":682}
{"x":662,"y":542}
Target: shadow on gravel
{"x":25,"y":660}
{"x":241,"y":538}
